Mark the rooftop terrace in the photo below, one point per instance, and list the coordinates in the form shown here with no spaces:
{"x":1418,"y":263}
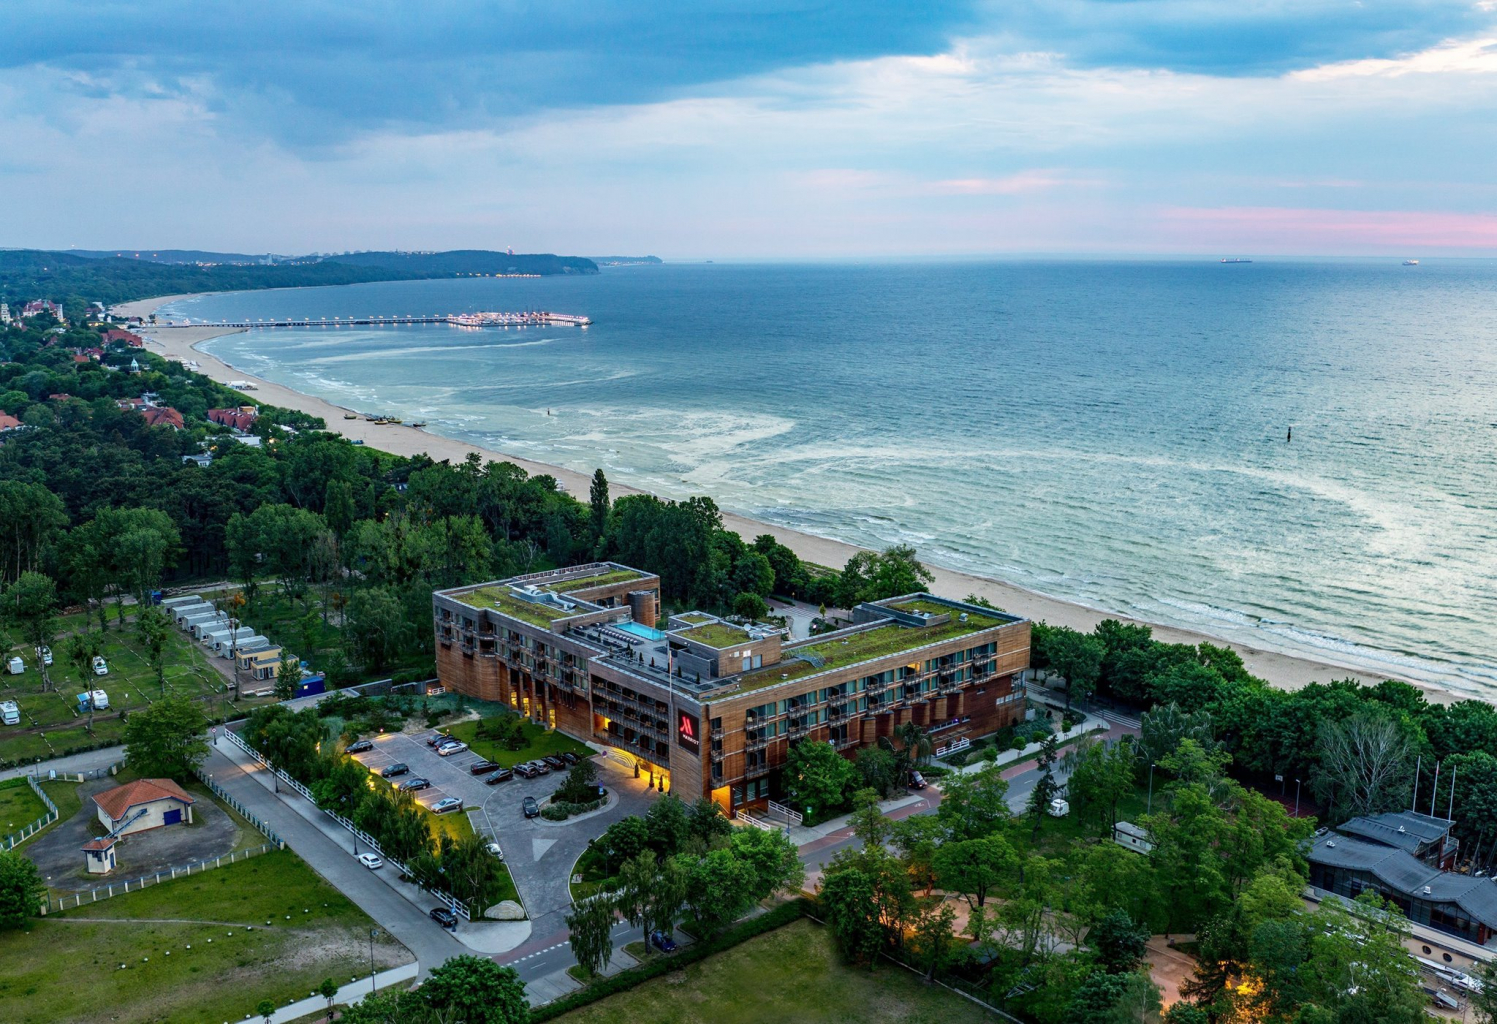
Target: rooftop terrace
{"x":867,"y":645}
{"x":717,"y":635}
{"x":597,"y":579}
{"x":499,"y":598}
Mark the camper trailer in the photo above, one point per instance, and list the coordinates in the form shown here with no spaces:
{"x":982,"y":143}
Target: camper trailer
{"x":171,"y":604}
{"x":200,"y":630}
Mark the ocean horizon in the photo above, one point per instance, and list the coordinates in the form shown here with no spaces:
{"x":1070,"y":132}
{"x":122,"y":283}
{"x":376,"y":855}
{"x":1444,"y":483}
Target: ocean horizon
{"x":1109,"y":432}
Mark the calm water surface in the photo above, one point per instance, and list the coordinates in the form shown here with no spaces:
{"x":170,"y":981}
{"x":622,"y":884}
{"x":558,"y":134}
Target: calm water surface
{"x":1106,"y":432}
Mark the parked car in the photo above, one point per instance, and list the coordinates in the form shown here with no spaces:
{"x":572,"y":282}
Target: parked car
{"x":359,"y":747}
{"x":553,"y":762}
{"x":45,"y":653}
{"x":531,"y":808}
{"x":451,"y":747}
{"x":101,"y":667}
{"x":540,"y":767}
{"x":663,"y":942}
{"x":411,"y":785}
{"x":389,"y":771}
{"x":569,"y":757}
{"x":446,"y":804}
{"x":437,"y":738}
{"x":370,"y":861}
{"x":524,"y":771}
{"x":443,"y":917}
{"x":10,"y":713}
{"x":493,"y":848}
{"x":482,"y":767}
{"x":502,"y":775}
{"x":917,"y":781}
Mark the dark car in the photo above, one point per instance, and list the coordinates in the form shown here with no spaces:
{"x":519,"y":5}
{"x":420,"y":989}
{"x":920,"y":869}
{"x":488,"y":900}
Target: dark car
{"x":541,"y":767}
{"x":531,"y":808}
{"x":359,"y":747}
{"x":502,"y":775}
{"x":569,"y":757}
{"x":917,"y":781}
{"x":411,"y":785}
{"x":389,"y":771}
{"x":435,"y":738}
{"x":553,"y":762}
{"x":524,"y":771}
{"x":663,"y":942}
{"x":482,"y":767}
{"x":443,"y":917}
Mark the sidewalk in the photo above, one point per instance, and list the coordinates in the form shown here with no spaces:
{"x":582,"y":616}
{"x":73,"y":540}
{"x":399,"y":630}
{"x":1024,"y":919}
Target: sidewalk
{"x":350,"y":993}
{"x":1090,"y":724}
{"x":487,"y":937}
{"x":803,"y":835}
{"x":85,"y":762}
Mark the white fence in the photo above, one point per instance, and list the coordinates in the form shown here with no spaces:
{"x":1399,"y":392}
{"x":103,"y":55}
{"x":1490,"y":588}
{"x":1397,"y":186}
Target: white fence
{"x":794,"y":817}
{"x":243,"y":811}
{"x":457,"y":906}
{"x":105,"y":892}
{"x":961,"y":743}
{"x":16,"y":838}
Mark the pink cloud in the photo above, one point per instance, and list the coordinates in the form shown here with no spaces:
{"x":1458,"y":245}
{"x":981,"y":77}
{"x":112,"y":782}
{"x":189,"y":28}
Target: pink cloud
{"x":1325,"y":229}
{"x":1009,"y":185}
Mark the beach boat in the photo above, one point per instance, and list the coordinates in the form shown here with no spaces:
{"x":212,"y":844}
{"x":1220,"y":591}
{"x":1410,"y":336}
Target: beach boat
{"x":418,"y":426}
{"x":350,"y":415}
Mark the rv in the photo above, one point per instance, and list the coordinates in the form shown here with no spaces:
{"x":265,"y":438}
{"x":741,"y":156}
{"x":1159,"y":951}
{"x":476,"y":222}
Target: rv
{"x":15,"y":666}
{"x":182,"y":611}
{"x":200,"y":630}
{"x":10,"y":713}
{"x":173,"y":603}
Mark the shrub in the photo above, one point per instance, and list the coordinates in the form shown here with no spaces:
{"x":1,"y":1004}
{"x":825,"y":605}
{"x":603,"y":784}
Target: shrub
{"x":556,"y":812}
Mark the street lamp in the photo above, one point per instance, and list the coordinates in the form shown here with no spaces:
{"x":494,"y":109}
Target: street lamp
{"x":1151,"y":790}
{"x":1296,"y":798}
{"x":372,"y":986}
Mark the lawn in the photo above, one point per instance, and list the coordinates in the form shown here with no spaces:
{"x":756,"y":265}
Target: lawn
{"x":19,"y":806}
{"x":1059,"y":835}
{"x":792,"y":976}
{"x":538,"y":743}
{"x":229,"y":967}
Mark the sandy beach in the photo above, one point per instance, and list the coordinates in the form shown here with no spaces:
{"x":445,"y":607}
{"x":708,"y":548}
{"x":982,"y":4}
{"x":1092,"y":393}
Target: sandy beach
{"x":1283,"y":670}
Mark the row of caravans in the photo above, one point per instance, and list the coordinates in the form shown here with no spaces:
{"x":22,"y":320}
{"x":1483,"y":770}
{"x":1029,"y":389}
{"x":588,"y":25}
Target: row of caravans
{"x":256,"y":654}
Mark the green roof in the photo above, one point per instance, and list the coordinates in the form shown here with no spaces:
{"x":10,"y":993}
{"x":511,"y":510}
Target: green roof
{"x":601,"y":579}
{"x":716,"y":635}
{"x":501,"y":600}
{"x":879,"y":642}
{"x":920,"y":604}
{"x":695,"y":617}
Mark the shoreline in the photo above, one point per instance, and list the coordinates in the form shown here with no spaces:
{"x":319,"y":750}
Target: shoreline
{"x":1285,"y":671}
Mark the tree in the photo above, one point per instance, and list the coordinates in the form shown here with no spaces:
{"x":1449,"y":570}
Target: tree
{"x":623,"y":840}
{"x":916,"y":743}
{"x":1101,"y":775}
{"x":590,"y":932}
{"x":287,"y":676}
{"x":974,"y":805}
{"x":32,"y":517}
{"x":1045,"y":787}
{"x":1185,"y":857}
{"x":1115,"y":999}
{"x":707,"y":823}
{"x":1485,"y":1001}
{"x":21,"y":889}
{"x":266,"y":1009}
{"x":635,"y":893}
{"x":1161,"y":730}
{"x":1363,"y":763}
{"x":668,"y":824}
{"x":974,"y":867}
{"x":880,"y":770}
{"x":818,"y":779}
{"x":581,"y":783}
{"x":30,"y":605}
{"x":1120,"y":943}
{"x":1078,"y":657}
{"x":847,"y":898}
{"x":599,"y":504}
{"x":166,"y":740}
{"x":750,"y":606}
{"x":719,"y":887}
{"x":1185,"y":1013}
{"x":475,"y":990}
{"x":933,"y":938}
{"x":80,"y":651}
{"x":771,"y":857}
{"x":329,"y":991}
{"x":152,"y":628}
{"x":875,"y":576}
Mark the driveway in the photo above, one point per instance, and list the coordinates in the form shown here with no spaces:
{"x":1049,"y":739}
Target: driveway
{"x":540,"y":854}
{"x":58,"y":856}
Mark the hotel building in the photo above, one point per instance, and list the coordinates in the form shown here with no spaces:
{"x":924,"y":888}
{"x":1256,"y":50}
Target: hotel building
{"x":712,"y":705}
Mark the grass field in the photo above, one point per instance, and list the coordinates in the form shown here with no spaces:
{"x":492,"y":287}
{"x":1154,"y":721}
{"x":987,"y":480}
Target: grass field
{"x":539,"y":743}
{"x":19,"y":806}
{"x":791,"y":976}
{"x":227,"y":970}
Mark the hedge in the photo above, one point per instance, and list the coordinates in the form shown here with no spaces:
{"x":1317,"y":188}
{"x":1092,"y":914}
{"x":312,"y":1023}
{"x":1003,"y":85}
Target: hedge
{"x":777,"y":917}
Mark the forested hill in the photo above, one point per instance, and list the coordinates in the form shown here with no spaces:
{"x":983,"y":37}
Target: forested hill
{"x":67,"y":278}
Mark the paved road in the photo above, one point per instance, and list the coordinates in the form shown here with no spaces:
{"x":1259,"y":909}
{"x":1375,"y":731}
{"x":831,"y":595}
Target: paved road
{"x":540,"y":854}
{"x":93,"y":760}
{"x":404,"y":921}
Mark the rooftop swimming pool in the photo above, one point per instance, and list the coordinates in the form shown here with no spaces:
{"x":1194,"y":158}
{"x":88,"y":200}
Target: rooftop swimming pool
{"x":639,"y":630}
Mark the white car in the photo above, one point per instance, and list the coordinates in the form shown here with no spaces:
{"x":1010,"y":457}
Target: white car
{"x":101,"y":667}
{"x":44,"y":653}
{"x":10,"y":712}
{"x":493,"y":848}
{"x":451,"y":747}
{"x":370,"y":861}
{"x":447,"y":803}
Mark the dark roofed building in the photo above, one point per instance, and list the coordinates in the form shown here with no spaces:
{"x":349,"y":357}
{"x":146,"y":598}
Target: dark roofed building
{"x":1462,"y":905}
{"x":1419,"y":835}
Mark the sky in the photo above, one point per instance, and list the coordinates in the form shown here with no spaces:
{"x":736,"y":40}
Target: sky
{"x":766,"y":129}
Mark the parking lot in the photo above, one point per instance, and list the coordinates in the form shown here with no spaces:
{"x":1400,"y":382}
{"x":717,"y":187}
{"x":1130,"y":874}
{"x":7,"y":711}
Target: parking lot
{"x":540,"y":854}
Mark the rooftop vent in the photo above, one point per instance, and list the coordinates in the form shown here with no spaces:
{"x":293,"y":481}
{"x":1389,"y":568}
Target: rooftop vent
{"x":1402,"y":829}
{"x":1427,"y":891}
{"x":1330,"y":842}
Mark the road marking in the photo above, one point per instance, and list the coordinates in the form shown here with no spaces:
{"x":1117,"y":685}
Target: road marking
{"x":540,"y":846}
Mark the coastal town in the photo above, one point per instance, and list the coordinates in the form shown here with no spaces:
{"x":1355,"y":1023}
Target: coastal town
{"x":329,"y":717}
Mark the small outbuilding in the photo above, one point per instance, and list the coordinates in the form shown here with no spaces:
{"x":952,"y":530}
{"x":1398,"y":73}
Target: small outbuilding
{"x":143,"y":804}
{"x":99,"y":854}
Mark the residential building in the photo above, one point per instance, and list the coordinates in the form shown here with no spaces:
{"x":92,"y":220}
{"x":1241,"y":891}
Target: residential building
{"x":4,"y":313}
{"x":242,"y":418}
{"x":39,"y":306}
{"x":162,"y":416}
{"x":8,"y":423}
{"x":713,"y":707}
{"x":1400,"y":857}
{"x":130,"y":338}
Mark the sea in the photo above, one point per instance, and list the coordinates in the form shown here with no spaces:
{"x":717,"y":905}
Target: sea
{"x":1110,"y":432}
